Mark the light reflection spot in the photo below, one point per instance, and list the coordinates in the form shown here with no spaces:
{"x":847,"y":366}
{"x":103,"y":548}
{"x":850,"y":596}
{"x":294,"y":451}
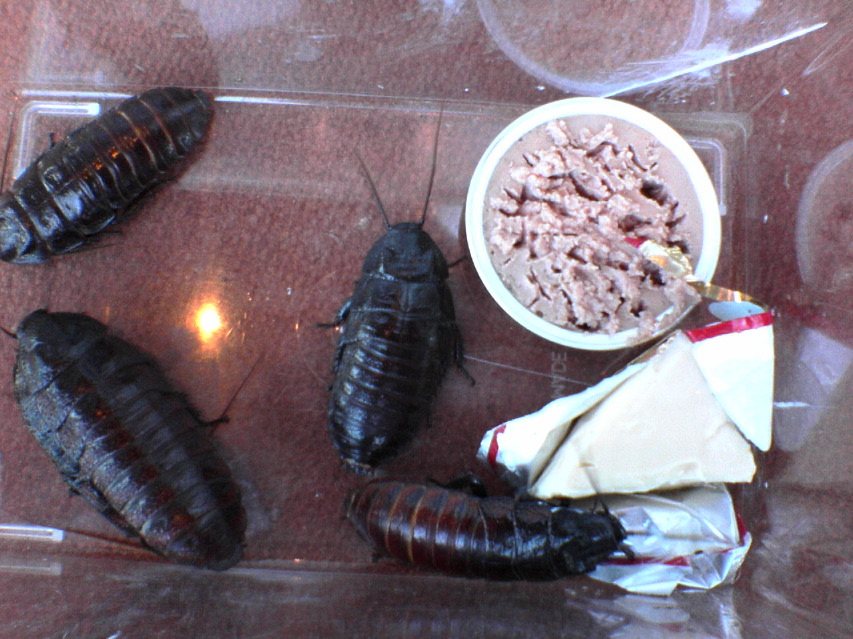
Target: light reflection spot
{"x":208,"y":321}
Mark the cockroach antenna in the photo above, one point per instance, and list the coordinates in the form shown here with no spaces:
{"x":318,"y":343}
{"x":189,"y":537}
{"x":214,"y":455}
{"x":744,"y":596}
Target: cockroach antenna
{"x":8,"y":152}
{"x":223,"y":418}
{"x":434,"y":162}
{"x":598,"y":502}
{"x":373,"y":188}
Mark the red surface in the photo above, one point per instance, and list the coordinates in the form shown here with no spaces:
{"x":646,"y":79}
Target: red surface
{"x":270,"y":224}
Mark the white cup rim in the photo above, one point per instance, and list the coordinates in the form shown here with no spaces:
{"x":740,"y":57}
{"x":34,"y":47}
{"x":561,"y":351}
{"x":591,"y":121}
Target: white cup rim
{"x":571,"y":107}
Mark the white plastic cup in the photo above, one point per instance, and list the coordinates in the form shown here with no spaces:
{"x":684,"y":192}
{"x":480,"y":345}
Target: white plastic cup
{"x":566,"y":109}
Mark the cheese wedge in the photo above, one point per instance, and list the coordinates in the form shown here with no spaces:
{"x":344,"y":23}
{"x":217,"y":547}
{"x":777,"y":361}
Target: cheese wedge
{"x":662,"y":428}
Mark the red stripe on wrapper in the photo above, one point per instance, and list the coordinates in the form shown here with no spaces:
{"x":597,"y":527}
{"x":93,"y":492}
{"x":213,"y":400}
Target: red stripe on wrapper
{"x":636,"y":561}
{"x":493,"y":446}
{"x":732,"y":326}
{"x":741,"y":527}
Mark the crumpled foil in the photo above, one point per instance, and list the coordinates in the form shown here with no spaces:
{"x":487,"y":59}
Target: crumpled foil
{"x":690,"y":538}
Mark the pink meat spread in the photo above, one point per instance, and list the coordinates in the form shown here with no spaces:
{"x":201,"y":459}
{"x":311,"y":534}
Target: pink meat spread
{"x":558,"y":221}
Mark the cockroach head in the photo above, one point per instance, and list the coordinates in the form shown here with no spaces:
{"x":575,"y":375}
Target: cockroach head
{"x":57,"y":332}
{"x":586,"y":538}
{"x":406,"y":252}
{"x":12,"y":234}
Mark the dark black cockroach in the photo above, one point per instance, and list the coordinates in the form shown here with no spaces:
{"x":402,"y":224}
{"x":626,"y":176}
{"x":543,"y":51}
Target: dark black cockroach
{"x":477,"y":536}
{"x":95,"y":176}
{"x":124,"y":439}
{"x":398,"y":335}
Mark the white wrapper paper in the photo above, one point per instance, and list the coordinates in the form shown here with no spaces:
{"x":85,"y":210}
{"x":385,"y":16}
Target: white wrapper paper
{"x":689,"y":538}
{"x":736,"y":357}
{"x":524,"y":446}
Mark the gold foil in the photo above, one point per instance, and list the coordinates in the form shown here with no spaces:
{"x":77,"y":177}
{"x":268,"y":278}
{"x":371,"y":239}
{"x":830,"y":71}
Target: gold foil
{"x":674,"y":262}
{"x":671,"y":260}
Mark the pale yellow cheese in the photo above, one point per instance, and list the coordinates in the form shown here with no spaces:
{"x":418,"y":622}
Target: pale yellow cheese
{"x":662,"y":428}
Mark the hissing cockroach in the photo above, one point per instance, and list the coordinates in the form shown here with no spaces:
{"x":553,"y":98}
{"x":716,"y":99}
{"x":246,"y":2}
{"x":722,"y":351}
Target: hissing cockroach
{"x":398,"y":335}
{"x":476,"y":536}
{"x":95,"y":176}
{"x":124,"y":439}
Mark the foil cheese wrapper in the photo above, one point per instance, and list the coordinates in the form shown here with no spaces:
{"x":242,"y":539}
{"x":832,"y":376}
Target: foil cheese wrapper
{"x":571,"y":447}
{"x":656,"y":425}
{"x":690,"y":538}
{"x":736,"y":360}
{"x":521,"y":449}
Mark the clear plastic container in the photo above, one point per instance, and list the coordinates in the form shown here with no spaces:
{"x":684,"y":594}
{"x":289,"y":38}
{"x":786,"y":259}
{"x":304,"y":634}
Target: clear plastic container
{"x":611,"y":48}
{"x":270,"y":224}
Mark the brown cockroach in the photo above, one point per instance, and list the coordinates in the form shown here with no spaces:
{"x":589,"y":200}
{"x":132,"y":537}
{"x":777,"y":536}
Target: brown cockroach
{"x":99,"y":172}
{"x":126,"y":440}
{"x":472,"y":535}
{"x":398,"y":336}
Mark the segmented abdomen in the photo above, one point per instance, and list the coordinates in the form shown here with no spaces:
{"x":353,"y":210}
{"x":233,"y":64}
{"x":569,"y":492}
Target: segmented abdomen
{"x":96,"y":174}
{"x":392,"y":358}
{"x":491,"y":537}
{"x":123,"y":438}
